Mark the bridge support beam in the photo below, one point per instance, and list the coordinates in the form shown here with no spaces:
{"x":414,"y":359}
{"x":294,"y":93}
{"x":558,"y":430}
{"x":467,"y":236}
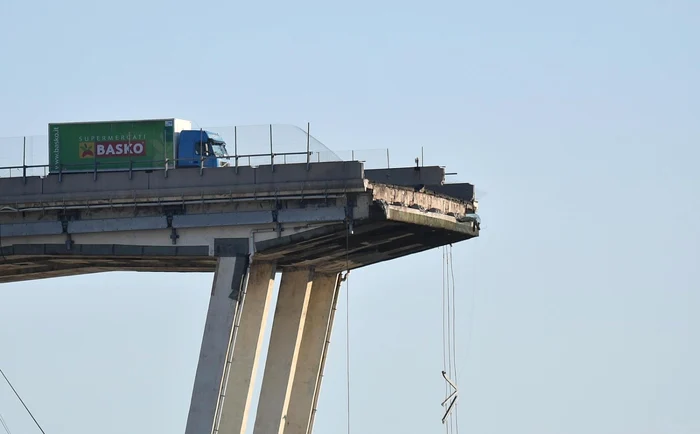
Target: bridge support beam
{"x":309,"y":369}
{"x":218,"y":329}
{"x":283,"y":352}
{"x":238,"y":389}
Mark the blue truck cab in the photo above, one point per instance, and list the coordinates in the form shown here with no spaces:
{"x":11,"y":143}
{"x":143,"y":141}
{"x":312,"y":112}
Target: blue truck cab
{"x":200,"y":147}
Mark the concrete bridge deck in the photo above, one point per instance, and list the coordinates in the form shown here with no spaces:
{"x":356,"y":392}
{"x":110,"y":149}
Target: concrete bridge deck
{"x":295,"y":215}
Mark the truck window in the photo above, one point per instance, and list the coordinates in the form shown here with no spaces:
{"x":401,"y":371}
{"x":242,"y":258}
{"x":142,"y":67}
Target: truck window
{"x":217,"y":148}
{"x":201,"y":148}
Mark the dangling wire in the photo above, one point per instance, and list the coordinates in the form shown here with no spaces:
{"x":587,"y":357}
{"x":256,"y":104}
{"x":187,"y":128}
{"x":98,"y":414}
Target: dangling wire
{"x":20,"y":400}
{"x":454,"y":335}
{"x":444,"y":327}
{"x":449,"y":334}
{"x":347,"y":316}
{"x":4,"y":425}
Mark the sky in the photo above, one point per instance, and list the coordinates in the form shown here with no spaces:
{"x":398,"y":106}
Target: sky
{"x":577,"y":122}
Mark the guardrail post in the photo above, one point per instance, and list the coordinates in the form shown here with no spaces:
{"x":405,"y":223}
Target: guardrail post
{"x":24,"y":159}
{"x":308,"y":146}
{"x":272,"y":154}
{"x":202,"y":149}
{"x":235,"y":146}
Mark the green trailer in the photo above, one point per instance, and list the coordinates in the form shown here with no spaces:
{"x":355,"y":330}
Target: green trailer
{"x":114,"y":145}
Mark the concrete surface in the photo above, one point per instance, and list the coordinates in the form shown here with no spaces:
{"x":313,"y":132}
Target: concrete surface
{"x":218,"y":329}
{"x":292,"y":230}
{"x":106,"y":186}
{"x":407,"y":176}
{"x":238,"y":390}
{"x":283,"y":352}
{"x":308,"y":373}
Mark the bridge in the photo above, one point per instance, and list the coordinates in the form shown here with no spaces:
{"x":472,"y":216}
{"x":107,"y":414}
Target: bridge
{"x":309,"y":222}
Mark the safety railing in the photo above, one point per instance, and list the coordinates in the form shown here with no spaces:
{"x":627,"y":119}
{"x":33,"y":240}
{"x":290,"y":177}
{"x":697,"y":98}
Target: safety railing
{"x":377,"y":158}
{"x":249,"y":145}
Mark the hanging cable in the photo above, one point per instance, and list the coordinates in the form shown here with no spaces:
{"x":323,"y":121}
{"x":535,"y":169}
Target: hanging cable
{"x":20,"y":400}
{"x":449,"y":332}
{"x":449,"y":314}
{"x":454,"y":335}
{"x":347,"y":315}
{"x":4,"y":425}
{"x":444,"y":327}
{"x":448,"y":357}
{"x":334,"y":308}
{"x":450,"y":336}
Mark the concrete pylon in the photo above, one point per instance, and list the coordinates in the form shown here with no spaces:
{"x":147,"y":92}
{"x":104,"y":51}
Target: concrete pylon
{"x":283,"y":352}
{"x":238,"y":390}
{"x":316,"y":336}
{"x":218,"y":329}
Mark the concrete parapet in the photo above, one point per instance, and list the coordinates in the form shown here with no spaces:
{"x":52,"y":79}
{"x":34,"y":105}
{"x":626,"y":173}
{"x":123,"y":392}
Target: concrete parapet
{"x":463,"y":191}
{"x":407,"y":176}
{"x":183,"y":182}
{"x":13,"y":186}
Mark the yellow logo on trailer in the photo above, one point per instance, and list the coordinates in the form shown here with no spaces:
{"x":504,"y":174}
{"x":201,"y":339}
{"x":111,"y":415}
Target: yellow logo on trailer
{"x":86,"y":149}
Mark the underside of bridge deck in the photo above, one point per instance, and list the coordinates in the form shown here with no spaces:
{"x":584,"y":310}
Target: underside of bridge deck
{"x":334,"y":248}
{"x":329,"y":249}
{"x":19,"y":268}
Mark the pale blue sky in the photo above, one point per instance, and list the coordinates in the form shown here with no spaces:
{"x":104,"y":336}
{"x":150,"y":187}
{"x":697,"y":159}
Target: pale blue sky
{"x":578,"y":120}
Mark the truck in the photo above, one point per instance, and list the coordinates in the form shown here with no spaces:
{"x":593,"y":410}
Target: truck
{"x":132,"y":145}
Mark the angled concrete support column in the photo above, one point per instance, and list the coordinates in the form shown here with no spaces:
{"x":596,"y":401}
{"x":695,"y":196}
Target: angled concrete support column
{"x":218,"y":329}
{"x":285,"y":340}
{"x":238,"y":388}
{"x":309,"y":370}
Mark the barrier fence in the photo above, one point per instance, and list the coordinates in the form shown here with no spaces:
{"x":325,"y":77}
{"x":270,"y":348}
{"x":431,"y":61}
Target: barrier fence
{"x":254,"y":145}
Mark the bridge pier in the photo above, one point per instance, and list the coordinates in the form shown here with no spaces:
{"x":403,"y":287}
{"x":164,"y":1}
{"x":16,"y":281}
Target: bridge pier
{"x":300,"y":333}
{"x":218,"y":329}
{"x":309,"y":369}
{"x":283,"y":352}
{"x":238,"y":390}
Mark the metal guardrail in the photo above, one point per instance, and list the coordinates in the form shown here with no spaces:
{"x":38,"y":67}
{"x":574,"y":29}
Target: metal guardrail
{"x":242,"y":160}
{"x":155,"y":165}
{"x":250,"y":137}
